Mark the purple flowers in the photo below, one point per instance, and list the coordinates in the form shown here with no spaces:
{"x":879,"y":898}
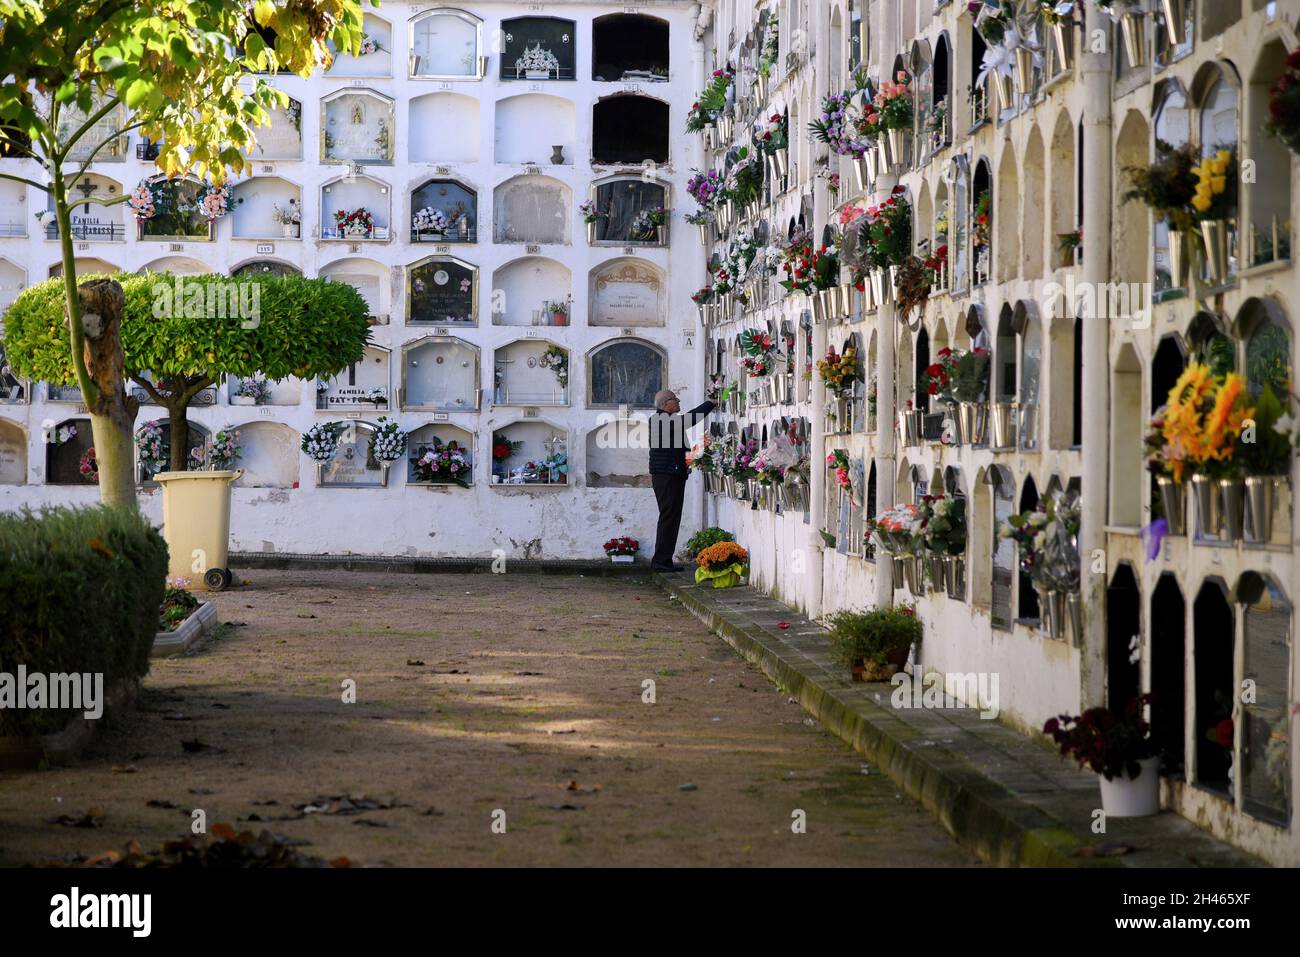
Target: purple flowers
{"x":705,"y":188}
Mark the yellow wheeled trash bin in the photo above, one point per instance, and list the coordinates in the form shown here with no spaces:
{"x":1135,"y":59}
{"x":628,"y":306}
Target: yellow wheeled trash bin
{"x":196,"y":524}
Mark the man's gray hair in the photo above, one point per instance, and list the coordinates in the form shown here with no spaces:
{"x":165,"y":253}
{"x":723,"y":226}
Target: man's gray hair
{"x":662,"y":396}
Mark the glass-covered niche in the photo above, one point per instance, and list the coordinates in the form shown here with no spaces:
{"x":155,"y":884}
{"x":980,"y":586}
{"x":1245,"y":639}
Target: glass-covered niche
{"x":441,"y":374}
{"x":626,"y":207}
{"x":353,"y":465}
{"x":1266,"y":742}
{"x":357,"y":126}
{"x":362,"y":385}
{"x":376,"y":55}
{"x":355,"y":209}
{"x":531,"y":372}
{"x":538,"y":48}
{"x":440,"y":454}
{"x":282,"y":139}
{"x":530,"y":453}
{"x":442,"y":290}
{"x":68,"y":458}
{"x":102,"y":141}
{"x":531,"y":209}
{"x":447,"y":44}
{"x":175,"y":205}
{"x":625,"y":372}
{"x":444,"y":211}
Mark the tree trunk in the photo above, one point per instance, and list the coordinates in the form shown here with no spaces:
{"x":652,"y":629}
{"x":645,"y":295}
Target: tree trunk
{"x":179,"y":423}
{"x":112,"y":411}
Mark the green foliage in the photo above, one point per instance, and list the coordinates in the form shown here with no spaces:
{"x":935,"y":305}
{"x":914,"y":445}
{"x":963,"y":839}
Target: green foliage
{"x":1270,"y":452}
{"x":1167,"y":185}
{"x":305,"y":328}
{"x":706,"y":537}
{"x":80,"y":589}
{"x":872,"y":636}
{"x":176,"y":606}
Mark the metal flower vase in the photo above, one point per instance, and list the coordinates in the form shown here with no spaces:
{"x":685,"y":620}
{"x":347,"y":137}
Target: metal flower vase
{"x":1208,"y":515}
{"x":1261,"y":494}
{"x":1173,"y":501}
{"x":1214,"y":233}
{"x":1133,"y":25}
{"x":1003,"y":417}
{"x":1232,"y":502}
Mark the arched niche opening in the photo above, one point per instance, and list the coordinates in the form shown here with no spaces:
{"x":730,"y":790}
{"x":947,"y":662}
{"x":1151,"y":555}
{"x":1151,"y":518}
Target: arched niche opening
{"x":440,"y":455}
{"x":625,"y":372}
{"x":175,"y":266}
{"x":525,"y":291}
{"x":67,"y":453}
{"x":1064,"y":211}
{"x":355,"y":209}
{"x":1168,"y":663}
{"x":376,"y":55}
{"x":1032,"y":219}
{"x":1030,"y":330}
{"x":624,"y":203}
{"x":531,"y":209}
{"x":441,"y":290}
{"x":440,"y":374}
{"x":90,"y":221}
{"x":616,"y":453}
{"x":176,"y":213}
{"x":268,"y":207}
{"x":530,"y":127}
{"x":630,"y":47}
{"x":981,"y":219}
{"x":1131,"y":237}
{"x":1027,"y":609}
{"x":446,"y":43}
{"x":627,"y":292}
{"x":531,"y":372}
{"x":1214,"y":668}
{"x":444,"y":211}
{"x":1123,"y":633}
{"x":1126,"y":429}
{"x":357,"y":126}
{"x":1005,"y":378}
{"x":1267,"y":333}
{"x":282,"y":139}
{"x":431,"y":116}
{"x":87,"y":266}
{"x":195,"y":440}
{"x":13,"y":451}
{"x":1006,"y":236}
{"x":268,"y":454}
{"x":265,"y":267}
{"x":530,"y":452}
{"x":354,"y":465}
{"x":13,"y":280}
{"x":629,"y":128}
{"x":538,"y":48}
{"x":1269,"y":196}
{"x":363,"y":385}
{"x":1004,"y":560}
{"x":1265,"y":775}
{"x":372,"y":279}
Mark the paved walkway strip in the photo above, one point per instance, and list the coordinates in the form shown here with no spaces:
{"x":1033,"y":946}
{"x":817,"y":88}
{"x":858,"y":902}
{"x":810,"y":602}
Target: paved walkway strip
{"x":1014,"y":801}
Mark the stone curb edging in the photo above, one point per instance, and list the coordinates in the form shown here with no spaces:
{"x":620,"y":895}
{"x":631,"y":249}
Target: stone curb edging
{"x":200,"y":622}
{"x":379,"y":563}
{"x":979,"y":813}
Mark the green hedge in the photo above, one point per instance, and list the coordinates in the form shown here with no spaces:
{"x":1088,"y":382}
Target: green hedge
{"x":79,"y":592}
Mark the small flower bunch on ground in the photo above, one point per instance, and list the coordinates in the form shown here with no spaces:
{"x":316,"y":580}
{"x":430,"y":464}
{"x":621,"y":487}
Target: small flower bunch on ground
{"x":321,"y":441}
{"x":1107,"y":743}
{"x":706,"y":537}
{"x":623,"y":545}
{"x":723,"y":563}
{"x":388,"y":441}
{"x":177,"y":604}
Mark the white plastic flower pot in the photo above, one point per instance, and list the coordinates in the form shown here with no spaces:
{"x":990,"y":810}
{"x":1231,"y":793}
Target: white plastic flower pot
{"x":1133,"y":797}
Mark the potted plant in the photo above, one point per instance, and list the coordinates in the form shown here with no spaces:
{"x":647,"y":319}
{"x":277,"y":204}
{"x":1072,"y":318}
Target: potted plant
{"x":1119,"y":749}
{"x":622,"y":550}
{"x":874,"y":645}
{"x":960,"y":379}
{"x":251,"y":391}
{"x":706,"y":537}
{"x":591,"y":215}
{"x":559,"y":311}
{"x":289,"y":217}
{"x":723,"y":563}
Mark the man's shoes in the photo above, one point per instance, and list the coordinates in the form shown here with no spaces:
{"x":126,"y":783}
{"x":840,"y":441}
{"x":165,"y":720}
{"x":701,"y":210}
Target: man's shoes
{"x":667,"y":568}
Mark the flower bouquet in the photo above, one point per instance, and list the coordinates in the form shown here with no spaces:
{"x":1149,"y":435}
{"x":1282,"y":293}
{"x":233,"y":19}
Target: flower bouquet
{"x":151,"y":448}
{"x":724,"y":564}
{"x":703,"y":456}
{"x":216,"y":201}
{"x":760,"y":352}
{"x":1047,"y":539}
{"x":442,"y":463}
{"x":256,"y":391}
{"x":89,"y":466}
{"x":839,"y":372}
{"x":387,"y":442}
{"x":321,"y":441}
{"x":430,"y":220}
{"x":590,"y":212}
{"x":622,"y":549}
{"x":1115,"y":747}
{"x":556,"y":359}
{"x":1284,"y":104}
{"x":705,"y":188}
{"x":224,"y":450}
{"x":899,"y":529}
{"x":357,"y":223}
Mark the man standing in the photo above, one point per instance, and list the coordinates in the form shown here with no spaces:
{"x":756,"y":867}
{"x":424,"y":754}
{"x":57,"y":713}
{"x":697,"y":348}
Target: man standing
{"x":668,"y":474}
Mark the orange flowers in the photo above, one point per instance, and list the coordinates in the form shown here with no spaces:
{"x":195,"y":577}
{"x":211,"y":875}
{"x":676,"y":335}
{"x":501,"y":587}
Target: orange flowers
{"x":721,"y":555}
{"x":1202,"y":421}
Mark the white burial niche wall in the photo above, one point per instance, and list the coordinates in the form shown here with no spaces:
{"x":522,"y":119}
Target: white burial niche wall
{"x":535,"y":129}
{"x":532,"y":291}
{"x":353,"y":465}
{"x":627,"y":292}
{"x":357,"y":126}
{"x":440,"y":374}
{"x":362,"y":386}
{"x":531,"y":209}
{"x":442,"y":291}
{"x":268,"y":454}
{"x":13,"y":454}
{"x":440,"y":455}
{"x":376,"y":55}
{"x":282,"y":140}
{"x":530,"y":453}
{"x":355,"y":209}
{"x":265,"y":207}
{"x":431,"y":116}
{"x":531,"y":372}
{"x":373,"y":280}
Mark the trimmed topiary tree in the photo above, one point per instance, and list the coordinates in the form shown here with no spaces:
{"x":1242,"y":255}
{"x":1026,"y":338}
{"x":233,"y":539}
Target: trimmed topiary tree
{"x":182,"y":334}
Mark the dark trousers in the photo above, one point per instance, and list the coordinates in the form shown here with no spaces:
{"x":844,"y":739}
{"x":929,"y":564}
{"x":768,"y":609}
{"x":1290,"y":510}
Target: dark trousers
{"x":670,"y":490}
